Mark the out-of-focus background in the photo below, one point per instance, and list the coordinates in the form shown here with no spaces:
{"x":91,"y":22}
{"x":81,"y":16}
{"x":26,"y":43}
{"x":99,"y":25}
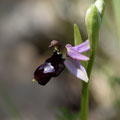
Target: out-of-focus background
{"x":26,"y":29}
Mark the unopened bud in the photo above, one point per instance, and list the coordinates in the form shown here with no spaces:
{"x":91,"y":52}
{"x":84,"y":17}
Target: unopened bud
{"x":93,"y":22}
{"x":100,"y":4}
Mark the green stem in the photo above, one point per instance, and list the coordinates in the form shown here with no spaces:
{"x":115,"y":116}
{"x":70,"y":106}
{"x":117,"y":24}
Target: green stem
{"x":85,"y":91}
{"x":84,"y":102}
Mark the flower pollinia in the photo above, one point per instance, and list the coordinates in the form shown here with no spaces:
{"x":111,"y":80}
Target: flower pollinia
{"x":72,"y":62}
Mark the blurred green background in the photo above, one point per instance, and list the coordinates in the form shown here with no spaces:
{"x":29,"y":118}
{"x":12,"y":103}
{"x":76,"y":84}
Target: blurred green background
{"x":26,"y":29}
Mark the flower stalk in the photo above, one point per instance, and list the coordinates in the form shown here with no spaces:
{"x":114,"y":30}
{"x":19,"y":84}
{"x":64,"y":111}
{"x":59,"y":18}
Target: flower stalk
{"x":93,"y":22}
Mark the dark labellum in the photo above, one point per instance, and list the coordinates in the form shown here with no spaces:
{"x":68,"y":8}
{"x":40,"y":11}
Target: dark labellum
{"x":52,"y":67}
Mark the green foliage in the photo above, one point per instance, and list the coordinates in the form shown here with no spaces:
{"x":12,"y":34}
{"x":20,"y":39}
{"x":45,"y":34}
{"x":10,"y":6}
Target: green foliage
{"x":65,"y":114}
{"x":117,"y":80}
{"x":116,"y":9}
{"x":77,"y":35}
{"x":78,"y":40}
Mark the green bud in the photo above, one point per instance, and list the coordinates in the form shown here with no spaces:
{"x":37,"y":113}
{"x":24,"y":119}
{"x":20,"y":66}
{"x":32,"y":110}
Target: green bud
{"x":100,"y":4}
{"x":93,"y":22}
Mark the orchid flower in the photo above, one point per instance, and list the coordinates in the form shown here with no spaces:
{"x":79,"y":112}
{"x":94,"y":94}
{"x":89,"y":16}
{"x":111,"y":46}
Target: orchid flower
{"x":72,"y":62}
{"x":54,"y":65}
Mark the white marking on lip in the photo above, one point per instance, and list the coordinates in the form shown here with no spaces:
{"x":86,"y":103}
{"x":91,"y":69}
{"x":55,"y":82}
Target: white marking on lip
{"x":49,"y":68}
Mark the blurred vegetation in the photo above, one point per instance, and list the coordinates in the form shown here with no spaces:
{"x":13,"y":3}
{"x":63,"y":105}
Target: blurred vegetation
{"x":65,"y":114}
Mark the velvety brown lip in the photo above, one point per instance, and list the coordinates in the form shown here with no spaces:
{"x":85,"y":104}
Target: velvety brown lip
{"x":56,"y":61}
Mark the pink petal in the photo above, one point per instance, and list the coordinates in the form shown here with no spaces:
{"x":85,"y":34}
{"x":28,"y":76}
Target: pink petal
{"x":76,"y":55}
{"x":76,"y":68}
{"x":80,"y":48}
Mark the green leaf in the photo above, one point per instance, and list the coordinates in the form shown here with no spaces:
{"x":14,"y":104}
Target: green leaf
{"x":78,"y":40}
{"x":77,"y":35}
